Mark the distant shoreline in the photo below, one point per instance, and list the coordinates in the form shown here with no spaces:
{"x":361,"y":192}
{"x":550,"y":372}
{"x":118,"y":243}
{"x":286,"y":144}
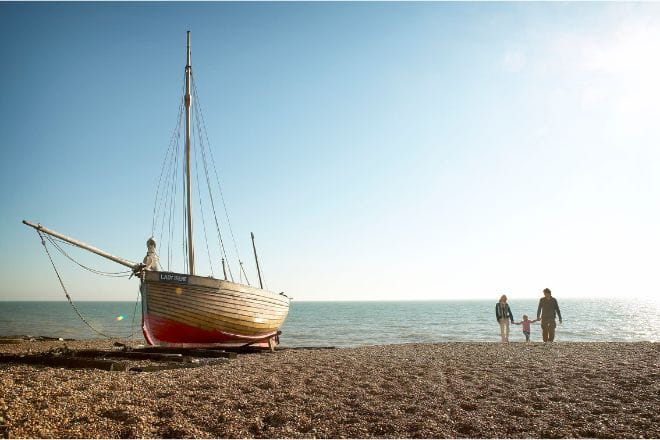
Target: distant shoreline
{"x":444,"y":390}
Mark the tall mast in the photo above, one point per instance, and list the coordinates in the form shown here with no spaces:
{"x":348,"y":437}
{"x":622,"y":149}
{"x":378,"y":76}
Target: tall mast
{"x":187,"y":100}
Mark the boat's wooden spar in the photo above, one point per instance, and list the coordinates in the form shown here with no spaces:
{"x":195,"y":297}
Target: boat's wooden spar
{"x":207,"y":310}
{"x":80,"y":244}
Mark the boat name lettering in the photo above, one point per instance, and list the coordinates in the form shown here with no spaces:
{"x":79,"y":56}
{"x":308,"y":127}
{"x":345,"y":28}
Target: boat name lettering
{"x":174,"y":278}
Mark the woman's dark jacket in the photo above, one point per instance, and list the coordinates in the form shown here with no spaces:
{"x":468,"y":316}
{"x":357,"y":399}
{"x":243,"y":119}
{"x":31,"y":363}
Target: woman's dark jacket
{"x":502,"y":310}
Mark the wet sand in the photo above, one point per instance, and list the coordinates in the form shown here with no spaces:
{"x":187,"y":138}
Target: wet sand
{"x":450,"y":390}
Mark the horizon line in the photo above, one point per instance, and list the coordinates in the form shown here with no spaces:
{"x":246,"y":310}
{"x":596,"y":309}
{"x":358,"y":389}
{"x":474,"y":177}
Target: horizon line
{"x":361,"y":300}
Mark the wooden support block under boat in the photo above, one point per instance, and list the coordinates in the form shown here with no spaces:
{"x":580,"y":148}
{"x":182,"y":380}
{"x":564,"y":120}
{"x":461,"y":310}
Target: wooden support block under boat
{"x":65,"y":361}
{"x":195,"y":364}
{"x":11,"y":341}
{"x":169,"y":357}
{"x":98,"y":359}
{"x":194,"y":352}
{"x":18,"y":339}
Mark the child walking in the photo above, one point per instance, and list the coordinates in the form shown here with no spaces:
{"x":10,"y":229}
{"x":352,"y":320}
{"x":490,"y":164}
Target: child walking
{"x":526,"y":323}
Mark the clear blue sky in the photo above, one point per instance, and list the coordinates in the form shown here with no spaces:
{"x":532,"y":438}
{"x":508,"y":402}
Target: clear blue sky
{"x":377,"y":150}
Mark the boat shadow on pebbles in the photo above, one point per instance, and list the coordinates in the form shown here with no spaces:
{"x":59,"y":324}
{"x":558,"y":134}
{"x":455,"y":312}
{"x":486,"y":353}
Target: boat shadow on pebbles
{"x":120,"y":358}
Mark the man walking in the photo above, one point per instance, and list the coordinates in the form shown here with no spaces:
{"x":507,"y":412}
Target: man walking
{"x":547,"y":311}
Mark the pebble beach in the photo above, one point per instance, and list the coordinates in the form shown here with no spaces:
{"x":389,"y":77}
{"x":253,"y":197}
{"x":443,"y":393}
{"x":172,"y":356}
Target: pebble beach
{"x":446,"y":390}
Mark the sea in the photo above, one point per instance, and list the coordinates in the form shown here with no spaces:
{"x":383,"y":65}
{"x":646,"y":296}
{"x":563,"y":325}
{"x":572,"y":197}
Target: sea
{"x":353,"y":323}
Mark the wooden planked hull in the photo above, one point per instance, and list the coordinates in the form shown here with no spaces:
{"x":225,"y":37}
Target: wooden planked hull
{"x":187,"y":310}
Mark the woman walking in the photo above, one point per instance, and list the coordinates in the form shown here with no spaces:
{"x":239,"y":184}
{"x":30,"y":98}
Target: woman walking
{"x":503,"y":315}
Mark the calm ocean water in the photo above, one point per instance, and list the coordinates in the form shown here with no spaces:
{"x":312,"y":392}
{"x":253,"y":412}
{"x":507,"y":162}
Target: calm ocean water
{"x":345,"y":324}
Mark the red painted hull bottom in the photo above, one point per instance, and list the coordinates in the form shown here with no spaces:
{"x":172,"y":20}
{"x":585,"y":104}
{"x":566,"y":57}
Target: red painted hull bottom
{"x":169,"y":333}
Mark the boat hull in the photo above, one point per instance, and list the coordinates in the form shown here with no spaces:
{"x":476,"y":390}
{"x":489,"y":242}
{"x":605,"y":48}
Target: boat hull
{"x":190,"y":311}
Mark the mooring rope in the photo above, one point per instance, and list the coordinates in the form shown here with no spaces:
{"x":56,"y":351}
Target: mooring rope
{"x":68,"y":297}
{"x":137,"y":300}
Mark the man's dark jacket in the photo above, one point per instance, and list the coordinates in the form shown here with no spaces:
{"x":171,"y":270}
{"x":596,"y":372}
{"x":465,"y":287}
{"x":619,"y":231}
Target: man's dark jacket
{"x":549,"y":307}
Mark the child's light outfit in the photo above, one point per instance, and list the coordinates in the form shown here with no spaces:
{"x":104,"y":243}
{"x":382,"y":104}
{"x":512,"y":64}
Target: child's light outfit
{"x":527,"y":327}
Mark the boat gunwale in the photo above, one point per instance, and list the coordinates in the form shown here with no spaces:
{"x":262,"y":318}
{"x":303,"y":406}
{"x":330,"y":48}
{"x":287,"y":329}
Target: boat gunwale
{"x":153,"y":276}
{"x":233,"y":294}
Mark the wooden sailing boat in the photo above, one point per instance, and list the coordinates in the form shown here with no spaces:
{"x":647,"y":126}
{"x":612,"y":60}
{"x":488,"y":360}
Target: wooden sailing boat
{"x":183,"y":309}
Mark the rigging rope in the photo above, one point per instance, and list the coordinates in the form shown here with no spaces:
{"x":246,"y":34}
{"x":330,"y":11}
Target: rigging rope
{"x":165,"y":201}
{"x":172,"y":202}
{"x":54,"y":242}
{"x":208,"y":185}
{"x":197,"y":103}
{"x":168,"y":191}
{"x":137,"y":300}
{"x":201,"y":211}
{"x":68,"y":297}
{"x":184,"y":221}
{"x":240,"y":263}
{"x":172,"y":211}
{"x":174,"y":140}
